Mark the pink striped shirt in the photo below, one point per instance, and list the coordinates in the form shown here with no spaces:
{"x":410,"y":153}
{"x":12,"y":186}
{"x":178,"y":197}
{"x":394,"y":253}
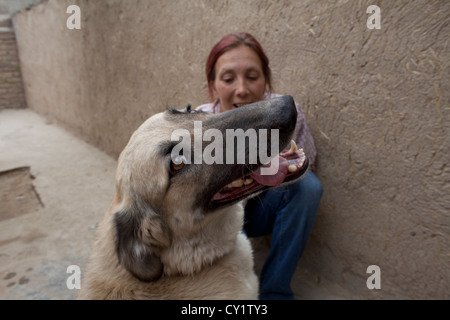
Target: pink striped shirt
{"x":302,"y":135}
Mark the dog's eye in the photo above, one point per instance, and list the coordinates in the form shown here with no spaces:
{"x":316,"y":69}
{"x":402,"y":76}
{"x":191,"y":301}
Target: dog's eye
{"x":178,"y":163}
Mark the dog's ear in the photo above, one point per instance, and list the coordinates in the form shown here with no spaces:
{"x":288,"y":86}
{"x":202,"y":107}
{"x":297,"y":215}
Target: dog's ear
{"x":140,"y":236}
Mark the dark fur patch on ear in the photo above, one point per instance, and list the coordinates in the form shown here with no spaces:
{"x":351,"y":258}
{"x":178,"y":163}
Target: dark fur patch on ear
{"x":137,"y":249}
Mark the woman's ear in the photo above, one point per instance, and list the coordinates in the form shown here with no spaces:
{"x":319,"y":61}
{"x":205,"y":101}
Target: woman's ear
{"x":140,"y":236}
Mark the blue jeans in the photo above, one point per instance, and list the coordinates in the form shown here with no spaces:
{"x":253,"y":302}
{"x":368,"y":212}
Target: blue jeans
{"x":288,"y":212}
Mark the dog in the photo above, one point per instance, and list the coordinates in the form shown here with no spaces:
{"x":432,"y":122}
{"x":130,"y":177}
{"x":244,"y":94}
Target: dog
{"x":174,"y":228}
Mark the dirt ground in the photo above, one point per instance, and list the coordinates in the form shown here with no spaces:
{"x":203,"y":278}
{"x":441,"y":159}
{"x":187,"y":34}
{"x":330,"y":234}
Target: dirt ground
{"x":54,"y":190}
{"x":59,"y":200}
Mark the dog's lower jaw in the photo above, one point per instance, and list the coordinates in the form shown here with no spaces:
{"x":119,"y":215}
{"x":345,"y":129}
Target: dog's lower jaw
{"x":188,"y":255}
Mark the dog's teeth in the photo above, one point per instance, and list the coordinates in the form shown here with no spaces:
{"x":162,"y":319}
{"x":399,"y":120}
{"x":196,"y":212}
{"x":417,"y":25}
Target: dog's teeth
{"x":237,"y":183}
{"x":302,"y":160}
{"x":292,"y":168}
{"x":293,"y":146}
{"x":302,"y":154}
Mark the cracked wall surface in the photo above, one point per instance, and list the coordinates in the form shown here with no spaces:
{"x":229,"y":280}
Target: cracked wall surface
{"x":376,"y":101}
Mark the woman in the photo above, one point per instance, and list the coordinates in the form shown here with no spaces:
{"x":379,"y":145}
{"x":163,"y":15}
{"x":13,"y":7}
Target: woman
{"x":238,"y":73}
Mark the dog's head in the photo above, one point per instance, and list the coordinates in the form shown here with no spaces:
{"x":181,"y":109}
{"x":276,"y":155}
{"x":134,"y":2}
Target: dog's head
{"x":181,"y":166}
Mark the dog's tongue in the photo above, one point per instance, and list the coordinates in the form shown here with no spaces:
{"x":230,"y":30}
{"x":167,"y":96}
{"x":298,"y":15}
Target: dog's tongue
{"x":274,"y":179}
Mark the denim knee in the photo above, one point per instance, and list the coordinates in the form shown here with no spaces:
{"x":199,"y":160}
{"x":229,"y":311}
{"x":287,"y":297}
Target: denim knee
{"x":314,"y":186}
{"x":309,"y":185}
{"x":308,"y":191}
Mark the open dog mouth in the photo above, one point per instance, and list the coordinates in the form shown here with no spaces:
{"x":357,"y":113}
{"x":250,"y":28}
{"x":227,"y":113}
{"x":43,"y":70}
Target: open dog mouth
{"x":292,"y":164}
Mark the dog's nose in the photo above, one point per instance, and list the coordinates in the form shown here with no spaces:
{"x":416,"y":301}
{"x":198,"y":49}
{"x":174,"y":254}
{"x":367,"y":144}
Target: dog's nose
{"x":283,"y":113}
{"x":277,"y":113}
{"x":287,"y":113}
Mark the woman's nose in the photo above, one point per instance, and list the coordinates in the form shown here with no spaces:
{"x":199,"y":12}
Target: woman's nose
{"x":241,"y":88}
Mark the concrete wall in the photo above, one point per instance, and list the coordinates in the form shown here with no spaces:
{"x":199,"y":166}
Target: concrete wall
{"x":11,"y":89}
{"x":377,"y":102}
{"x":12,"y":95}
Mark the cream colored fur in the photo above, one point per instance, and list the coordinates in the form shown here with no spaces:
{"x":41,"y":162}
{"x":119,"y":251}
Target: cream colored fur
{"x":200,"y":255}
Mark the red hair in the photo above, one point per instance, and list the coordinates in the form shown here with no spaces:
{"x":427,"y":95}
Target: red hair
{"x":231,"y":41}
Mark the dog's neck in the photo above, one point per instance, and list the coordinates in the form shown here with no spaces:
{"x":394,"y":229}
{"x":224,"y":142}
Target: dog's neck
{"x":215,"y":237}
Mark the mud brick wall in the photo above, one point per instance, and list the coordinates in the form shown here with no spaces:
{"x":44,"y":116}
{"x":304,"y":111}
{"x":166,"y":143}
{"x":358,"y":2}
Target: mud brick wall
{"x":376,"y":101}
{"x":11,"y":89}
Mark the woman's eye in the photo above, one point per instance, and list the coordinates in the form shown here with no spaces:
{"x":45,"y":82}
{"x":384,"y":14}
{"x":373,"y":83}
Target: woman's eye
{"x":178,"y":163}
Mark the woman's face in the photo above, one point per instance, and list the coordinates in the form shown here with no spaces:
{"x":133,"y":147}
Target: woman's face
{"x":239,"y":78}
